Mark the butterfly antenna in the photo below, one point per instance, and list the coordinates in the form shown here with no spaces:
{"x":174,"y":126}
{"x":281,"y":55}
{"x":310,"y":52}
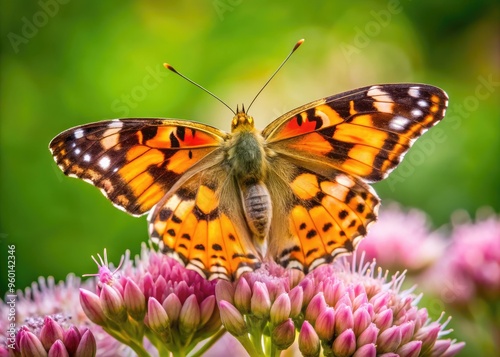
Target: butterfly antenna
{"x":169,"y":67}
{"x":297,"y":45}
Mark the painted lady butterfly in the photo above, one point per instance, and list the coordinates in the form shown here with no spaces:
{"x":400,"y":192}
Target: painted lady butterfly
{"x":296,"y":192}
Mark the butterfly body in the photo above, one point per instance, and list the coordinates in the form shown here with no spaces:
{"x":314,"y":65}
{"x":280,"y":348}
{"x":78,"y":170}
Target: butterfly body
{"x":222,"y":203}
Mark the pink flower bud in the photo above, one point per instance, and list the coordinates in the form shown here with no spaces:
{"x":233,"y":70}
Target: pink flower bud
{"x":316,"y":306}
{"x":283,"y":335}
{"x":112,"y":304}
{"x":345,"y":344}
{"x":383,"y":319}
{"x":242,"y":296}
{"x":91,"y":305}
{"x":87,"y":346}
{"x":369,"y":335}
{"x":50,"y":332}
{"x":71,"y":339}
{"x":411,"y":349}
{"x":57,"y":349}
{"x":389,"y":340}
{"x":280,"y":310}
{"x":134,"y":300}
{"x":362,"y":320}
{"x":309,"y":343}
{"x":157,"y":316}
{"x":366,"y":351}
{"x":260,"y":302}
{"x":296,"y":298}
{"x":190,"y":316}
{"x":325,"y":324}
{"x":428,"y":335}
{"x":343,"y":319}
{"x":30,"y":345}
{"x":172,"y":306}
{"x":232,"y":319}
{"x":206,"y":309}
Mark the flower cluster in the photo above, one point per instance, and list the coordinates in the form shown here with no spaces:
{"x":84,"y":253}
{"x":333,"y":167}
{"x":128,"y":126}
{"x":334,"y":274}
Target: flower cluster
{"x":336,"y":310}
{"x":152,"y":305}
{"x":157,"y":298}
{"x":470,"y":270}
{"x":402,"y":240}
{"x":50,"y":315}
{"x":48,"y":337}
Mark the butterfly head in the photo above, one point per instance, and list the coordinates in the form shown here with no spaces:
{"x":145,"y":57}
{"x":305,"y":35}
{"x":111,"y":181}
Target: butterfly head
{"x":242,"y":121}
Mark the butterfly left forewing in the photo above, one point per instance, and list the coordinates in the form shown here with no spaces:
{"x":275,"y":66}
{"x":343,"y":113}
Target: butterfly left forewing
{"x":135,"y":161}
{"x":364,"y":132}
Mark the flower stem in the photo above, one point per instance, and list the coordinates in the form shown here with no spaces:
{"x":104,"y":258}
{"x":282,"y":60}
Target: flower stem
{"x":250,"y":347}
{"x":209,"y":343}
{"x":137,"y":347}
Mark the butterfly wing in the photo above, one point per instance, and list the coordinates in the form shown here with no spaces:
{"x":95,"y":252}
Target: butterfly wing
{"x":364,"y":132}
{"x":135,"y":162}
{"x":201,"y":224}
{"x":325,"y":151}
{"x":325,"y":215}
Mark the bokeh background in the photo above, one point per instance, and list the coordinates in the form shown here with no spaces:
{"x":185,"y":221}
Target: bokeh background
{"x":66,"y":63}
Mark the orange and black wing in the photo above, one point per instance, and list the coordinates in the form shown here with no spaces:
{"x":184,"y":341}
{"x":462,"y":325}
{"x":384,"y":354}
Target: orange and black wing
{"x":135,"y":162}
{"x":201,"y":224}
{"x":327,"y":151}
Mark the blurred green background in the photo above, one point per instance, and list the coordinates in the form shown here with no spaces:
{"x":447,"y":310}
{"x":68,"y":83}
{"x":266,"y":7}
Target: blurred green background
{"x":66,"y":63}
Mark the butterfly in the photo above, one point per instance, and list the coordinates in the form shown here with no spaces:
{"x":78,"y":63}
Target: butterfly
{"x":223,"y":203}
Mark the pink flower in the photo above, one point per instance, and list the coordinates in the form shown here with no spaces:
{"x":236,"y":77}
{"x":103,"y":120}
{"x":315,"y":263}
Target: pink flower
{"x":336,"y":309}
{"x":470,"y":269}
{"x":49,"y":315}
{"x":402,"y":241}
{"x":153,"y":297}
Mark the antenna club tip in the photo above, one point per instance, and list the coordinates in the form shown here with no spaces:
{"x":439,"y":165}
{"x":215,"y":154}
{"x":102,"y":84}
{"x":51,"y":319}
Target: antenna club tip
{"x":299,"y":42}
{"x":169,"y":67}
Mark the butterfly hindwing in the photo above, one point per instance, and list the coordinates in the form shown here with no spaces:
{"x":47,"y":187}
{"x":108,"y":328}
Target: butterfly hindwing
{"x":134,"y":161}
{"x":328,"y":216}
{"x":201,"y":224}
{"x":364,"y":132}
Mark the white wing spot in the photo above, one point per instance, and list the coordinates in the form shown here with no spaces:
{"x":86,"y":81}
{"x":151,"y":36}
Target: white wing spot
{"x":398,"y":123}
{"x":384,"y":102}
{"x":345,"y":181}
{"x":422,"y":103}
{"x":416,"y":113}
{"x":86,"y":158}
{"x":117,"y":123}
{"x":77,"y":151}
{"x":78,"y":133}
{"x":414,"y":92}
{"x":104,"y":162}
